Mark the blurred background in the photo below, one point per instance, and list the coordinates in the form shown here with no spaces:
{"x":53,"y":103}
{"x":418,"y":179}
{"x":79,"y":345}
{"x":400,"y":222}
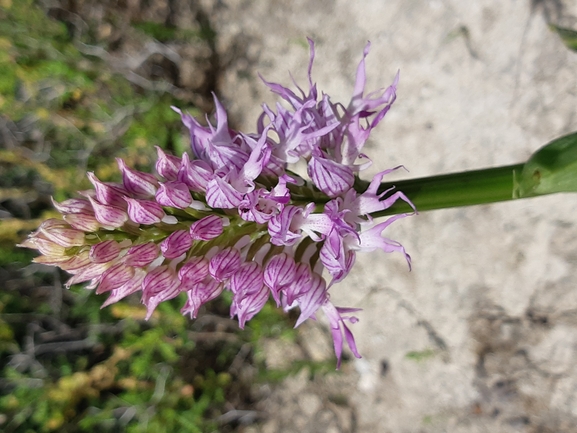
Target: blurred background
{"x":481,"y":336}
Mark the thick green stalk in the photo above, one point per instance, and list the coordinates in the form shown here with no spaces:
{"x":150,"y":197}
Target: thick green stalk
{"x":551,"y":169}
{"x":454,"y":190}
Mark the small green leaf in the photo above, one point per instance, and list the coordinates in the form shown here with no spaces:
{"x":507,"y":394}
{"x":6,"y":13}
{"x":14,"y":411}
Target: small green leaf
{"x":568,"y":36}
{"x":419,"y":356}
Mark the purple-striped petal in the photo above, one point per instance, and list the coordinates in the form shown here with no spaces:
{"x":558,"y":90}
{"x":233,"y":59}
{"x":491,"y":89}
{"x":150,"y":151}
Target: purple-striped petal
{"x":64,"y":236}
{"x":193,"y":271}
{"x":176,"y":244}
{"x":144,"y":211}
{"x":73,"y":205}
{"x":313,"y":298}
{"x":338,"y":327}
{"x":221,"y":195}
{"x":159,"y":285}
{"x":329,"y":176}
{"x":370,"y":240}
{"x":52,"y":223}
{"x":141,"y":255}
{"x":128,"y":288}
{"x":340,"y":267}
{"x":86,"y":273}
{"x":83,"y":221}
{"x":167,"y":165}
{"x":279,"y":227}
{"x":45,"y":246}
{"x":136,"y":182}
{"x":298,"y":286}
{"x":174,"y":194}
{"x":107,"y":193}
{"x":110,"y":216}
{"x":200,"y":294}
{"x":279,"y":272}
{"x":337,"y":259}
{"x":78,"y":263}
{"x":115,"y":277}
{"x":224,"y":264}
{"x":206,"y":228}
{"x":253,"y":167}
{"x":246,"y":305}
{"x":51,"y":260}
{"x":215,"y":146}
{"x":195,"y":174}
{"x":104,"y":251}
{"x":247,"y":279}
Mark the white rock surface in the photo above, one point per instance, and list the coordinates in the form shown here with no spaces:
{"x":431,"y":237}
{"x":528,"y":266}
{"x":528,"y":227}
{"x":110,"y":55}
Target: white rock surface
{"x":481,"y":336}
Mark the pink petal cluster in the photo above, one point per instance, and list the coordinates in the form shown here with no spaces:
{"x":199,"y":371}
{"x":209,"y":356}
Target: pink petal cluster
{"x":233,"y":217}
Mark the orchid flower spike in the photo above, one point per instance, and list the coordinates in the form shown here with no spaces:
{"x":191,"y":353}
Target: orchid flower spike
{"x":231,"y":215}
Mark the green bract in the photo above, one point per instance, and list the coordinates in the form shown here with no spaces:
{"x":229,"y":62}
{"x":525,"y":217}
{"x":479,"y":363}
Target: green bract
{"x":551,"y":169}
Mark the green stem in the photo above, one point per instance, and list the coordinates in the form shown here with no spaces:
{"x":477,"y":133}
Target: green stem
{"x":551,"y":169}
{"x":452,"y":190}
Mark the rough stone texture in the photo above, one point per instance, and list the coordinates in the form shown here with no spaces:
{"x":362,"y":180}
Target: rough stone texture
{"x":482,"y":335}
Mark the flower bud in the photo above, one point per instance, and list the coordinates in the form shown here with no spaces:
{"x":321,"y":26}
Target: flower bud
{"x":83,"y":222}
{"x":115,"y":277}
{"x":142,"y":185}
{"x":193,"y":271}
{"x":73,"y":205}
{"x":141,"y":255}
{"x":195,"y":174}
{"x":176,"y":244}
{"x":206,"y":228}
{"x":174,"y":194}
{"x":144,"y":211}
{"x":167,"y":165}
{"x":104,"y":252}
{"x":107,"y":193}
{"x":224,"y":264}
{"x":159,"y":285}
{"x":110,"y":216}
{"x":279,"y":272}
{"x":62,"y":235}
{"x":200,"y":294}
